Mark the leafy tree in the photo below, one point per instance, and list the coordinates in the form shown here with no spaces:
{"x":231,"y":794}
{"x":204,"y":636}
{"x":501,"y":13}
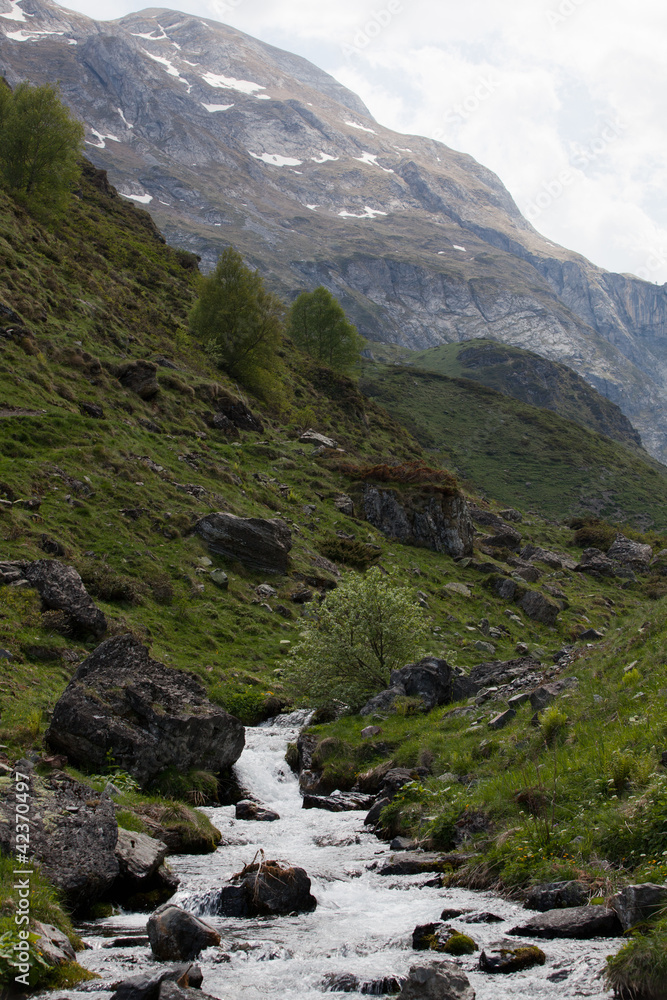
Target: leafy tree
{"x":40,"y":146}
{"x":239,"y":321}
{"x":318,"y":325}
{"x":367,"y":627}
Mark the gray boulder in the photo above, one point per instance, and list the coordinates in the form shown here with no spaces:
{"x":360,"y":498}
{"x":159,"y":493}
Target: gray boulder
{"x":557,"y":560}
{"x":634,"y":555}
{"x":175,"y":934}
{"x":147,"y":716}
{"x":319,"y":440}
{"x":267,"y":889}
{"x":345,"y":982}
{"x":572,"y":922}
{"x":510,"y":956}
{"x":73,"y":833}
{"x":339,"y":802}
{"x":238,"y":414}
{"x":170,"y":990}
{"x":438,"y":522}
{"x":146,"y":986}
{"x":61,"y":589}
{"x":539,"y":608}
{"x":636,"y":903}
{"x":258,"y":543}
{"x":54,"y":945}
{"x":437,"y":981}
{"x":556,"y":896}
{"x":143,"y":877}
{"x":504,"y":537}
{"x":596,"y":563}
{"x":249,"y":810}
{"x":431,"y":680}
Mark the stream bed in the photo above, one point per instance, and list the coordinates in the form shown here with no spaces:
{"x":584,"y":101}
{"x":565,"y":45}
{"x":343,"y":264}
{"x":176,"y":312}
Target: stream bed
{"x":363,"y":922}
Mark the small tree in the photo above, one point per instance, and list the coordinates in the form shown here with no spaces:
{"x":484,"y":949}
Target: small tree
{"x":40,"y":145}
{"x":238,"y":320}
{"x":366,"y":628}
{"x":318,"y":325}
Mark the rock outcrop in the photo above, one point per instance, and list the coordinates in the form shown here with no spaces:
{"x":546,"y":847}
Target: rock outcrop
{"x":61,"y":589}
{"x":436,"y":521}
{"x":431,"y":680}
{"x":147,"y":716}
{"x":144,"y":880}
{"x":73,"y":833}
{"x":437,"y":981}
{"x":256,"y":542}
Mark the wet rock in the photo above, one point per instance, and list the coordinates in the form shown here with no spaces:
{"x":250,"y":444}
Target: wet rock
{"x":173,"y":991}
{"x":258,"y":543}
{"x":269,"y":888}
{"x":139,"y":377}
{"x":54,"y":946}
{"x":345,"y":982}
{"x":637,"y":903}
{"x":572,"y":922}
{"x":484,"y":917}
{"x":633,"y":555}
{"x":443,"y":938}
{"x":338,"y":802}
{"x":437,"y":522}
{"x":147,"y":985}
{"x":373,"y":815}
{"x":556,"y":895}
{"x":146,"y":715}
{"x":506,"y":957}
{"x":61,"y":589}
{"x":175,"y":934}
{"x":437,"y":980}
{"x":73,"y":834}
{"x":319,"y":440}
{"x":402,"y":844}
{"x":422,"y":862}
{"x":249,"y":810}
{"x":144,"y":880}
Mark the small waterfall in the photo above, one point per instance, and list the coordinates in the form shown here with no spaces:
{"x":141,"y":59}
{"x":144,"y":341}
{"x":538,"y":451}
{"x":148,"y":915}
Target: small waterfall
{"x":359,"y":937}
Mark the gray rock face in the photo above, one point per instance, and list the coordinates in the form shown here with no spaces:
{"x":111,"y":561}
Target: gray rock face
{"x":437,"y":981}
{"x":54,"y":945}
{"x":631,"y":554}
{"x":147,"y":715}
{"x":256,"y":542}
{"x":165,"y":86}
{"x":61,"y":589}
{"x":539,"y":608}
{"x":146,"y":986}
{"x":437,"y":522}
{"x":572,"y":922}
{"x":72,"y":834}
{"x":596,"y":563}
{"x":636,"y":903}
{"x":177,"y":935}
{"x":339,"y":802}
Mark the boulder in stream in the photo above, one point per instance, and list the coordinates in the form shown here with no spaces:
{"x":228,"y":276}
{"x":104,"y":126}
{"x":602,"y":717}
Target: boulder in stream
{"x":510,"y":956}
{"x":339,"y":802}
{"x":176,"y":934}
{"x":146,"y":715}
{"x":147,"y":985}
{"x":144,"y":880}
{"x":572,"y":922}
{"x":346,"y":982}
{"x":437,"y":981}
{"x":247,"y":809}
{"x":264,"y":888}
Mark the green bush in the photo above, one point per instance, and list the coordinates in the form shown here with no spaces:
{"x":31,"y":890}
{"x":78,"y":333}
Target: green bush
{"x":318,"y":325}
{"x":640,"y":967}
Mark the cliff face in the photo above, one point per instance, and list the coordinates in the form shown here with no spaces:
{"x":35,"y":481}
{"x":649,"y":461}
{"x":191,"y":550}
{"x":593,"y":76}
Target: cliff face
{"x":227,"y":140}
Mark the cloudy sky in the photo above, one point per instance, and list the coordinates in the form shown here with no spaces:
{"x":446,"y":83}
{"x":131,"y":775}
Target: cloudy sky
{"x":564,"y":99}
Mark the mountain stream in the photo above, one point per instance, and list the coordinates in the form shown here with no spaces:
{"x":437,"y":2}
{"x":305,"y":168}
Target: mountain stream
{"x":363,"y":922}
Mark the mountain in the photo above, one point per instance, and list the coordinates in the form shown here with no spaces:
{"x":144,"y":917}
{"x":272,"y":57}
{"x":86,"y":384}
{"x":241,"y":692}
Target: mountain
{"x":524,"y":376}
{"x":228,"y":140}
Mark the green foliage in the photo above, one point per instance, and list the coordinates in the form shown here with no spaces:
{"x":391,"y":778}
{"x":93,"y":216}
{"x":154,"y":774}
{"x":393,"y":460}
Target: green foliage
{"x":640,"y":967}
{"x":195,"y":786}
{"x":317,"y":324}
{"x":593,"y":533}
{"x":349,"y":551}
{"x":40,"y":146}
{"x":367,"y":627}
{"x":240,"y":323}
{"x":552,"y":723}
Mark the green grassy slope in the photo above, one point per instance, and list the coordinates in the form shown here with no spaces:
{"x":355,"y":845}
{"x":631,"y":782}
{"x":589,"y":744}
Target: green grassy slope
{"x":519,"y":454}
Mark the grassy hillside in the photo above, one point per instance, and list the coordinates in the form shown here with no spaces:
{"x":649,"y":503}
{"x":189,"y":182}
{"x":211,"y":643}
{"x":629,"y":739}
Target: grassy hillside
{"x":518,"y":454}
{"x":119,"y":492}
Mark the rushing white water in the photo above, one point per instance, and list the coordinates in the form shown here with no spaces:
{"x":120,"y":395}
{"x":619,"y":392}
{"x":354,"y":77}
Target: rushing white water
{"x":363,"y":922}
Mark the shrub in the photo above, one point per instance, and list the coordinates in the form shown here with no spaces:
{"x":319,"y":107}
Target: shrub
{"x":318,"y":325}
{"x":367,"y":627}
{"x":640,"y":967}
